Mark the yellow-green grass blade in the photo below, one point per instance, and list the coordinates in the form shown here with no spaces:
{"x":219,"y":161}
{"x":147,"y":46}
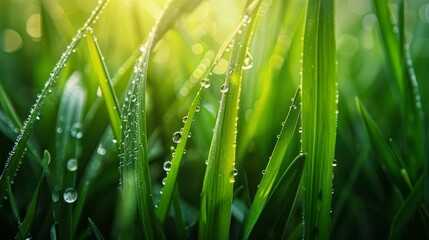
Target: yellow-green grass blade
{"x":94,"y":230}
{"x":217,"y":192}
{"x":281,"y":199}
{"x":32,"y":208}
{"x":15,"y":155}
{"x":106,"y":87}
{"x":319,"y":116}
{"x":69,"y":132}
{"x":387,"y":159}
{"x":272,"y":171}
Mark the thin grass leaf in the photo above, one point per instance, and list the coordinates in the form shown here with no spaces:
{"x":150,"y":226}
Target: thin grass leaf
{"x":15,"y":155}
{"x":25,"y":227}
{"x":105,"y":82}
{"x":8,"y":108}
{"x":95,"y":231}
{"x":12,"y":201}
{"x":281,"y":199}
{"x":274,"y":165}
{"x":387,"y":159}
{"x":408,"y":209}
{"x":319,"y":116}
{"x":217,"y":192}
{"x":182,"y":232}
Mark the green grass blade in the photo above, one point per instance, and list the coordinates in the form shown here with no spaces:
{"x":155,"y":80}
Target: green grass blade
{"x":272,"y":170}
{"x":218,"y":183}
{"x":387,"y":158}
{"x":15,"y":155}
{"x":95,"y":231}
{"x":12,"y":201}
{"x":319,"y":110}
{"x":105,"y":82}
{"x":32,"y":208}
{"x":280,"y":199}
{"x":8,"y":108}
{"x":69,"y":133}
{"x":407,"y":210}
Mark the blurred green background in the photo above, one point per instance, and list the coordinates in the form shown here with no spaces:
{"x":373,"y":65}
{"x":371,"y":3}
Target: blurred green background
{"x":34,"y":34}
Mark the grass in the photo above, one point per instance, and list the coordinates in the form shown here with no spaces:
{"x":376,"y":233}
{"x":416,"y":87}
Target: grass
{"x":256,"y":119}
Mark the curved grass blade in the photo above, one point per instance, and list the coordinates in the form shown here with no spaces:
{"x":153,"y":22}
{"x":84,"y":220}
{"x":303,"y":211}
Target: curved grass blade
{"x":217,"y":192}
{"x":408,"y":209}
{"x":95,"y":231}
{"x":387,"y":158}
{"x":164,"y":203}
{"x":319,"y":116}
{"x":15,"y":155}
{"x":272,"y":170}
{"x":32,"y":208}
{"x":281,"y":199}
{"x":107,"y":90}
{"x":8,"y":108}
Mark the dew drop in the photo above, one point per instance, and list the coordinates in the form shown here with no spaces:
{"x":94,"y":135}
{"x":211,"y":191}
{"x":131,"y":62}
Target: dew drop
{"x":76,"y":130}
{"x":235,"y":172}
{"x":115,"y":141}
{"x":224,"y":88}
{"x":300,"y":129}
{"x":164,"y":180}
{"x":247,"y":61}
{"x":263,"y":172}
{"x":205,"y":82}
{"x":189,"y":135}
{"x":334,"y":163}
{"x":198,"y":109}
{"x":72,"y":164}
{"x":167,"y":166}
{"x":101,"y":150}
{"x":206,"y":162}
{"x":70,"y":195}
{"x":59,"y":130}
{"x":184,"y":119}
{"x":177,"y":137}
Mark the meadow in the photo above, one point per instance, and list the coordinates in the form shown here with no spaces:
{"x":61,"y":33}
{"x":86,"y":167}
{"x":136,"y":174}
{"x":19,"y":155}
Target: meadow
{"x":187,"y":119}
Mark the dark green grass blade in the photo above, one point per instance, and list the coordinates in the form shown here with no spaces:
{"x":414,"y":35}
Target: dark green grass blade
{"x":15,"y":155}
{"x":218,"y":183}
{"x":386,"y":156}
{"x":319,"y":109}
{"x":408,"y":209}
{"x":12,"y":201}
{"x":32,"y":208}
{"x":106,"y":87}
{"x":95,"y":231}
{"x":272,"y":170}
{"x":280,"y":199}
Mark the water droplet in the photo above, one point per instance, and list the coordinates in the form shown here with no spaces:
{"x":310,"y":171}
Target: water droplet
{"x":167,"y":166}
{"x":37,"y":117}
{"x":189,"y":135}
{"x":334,"y":163}
{"x":206,"y":162}
{"x":76,"y":130}
{"x":59,"y":130}
{"x":72,"y":164}
{"x":198,"y":109}
{"x":177,"y":137}
{"x":184,"y":119}
{"x":247,"y":61}
{"x":278,"y":136}
{"x":70,"y":195}
{"x":115,"y":141}
{"x":235,"y":172}
{"x":101,"y":150}
{"x":164,"y":180}
{"x":263,"y":172}
{"x":205,"y":82}
{"x":224,"y":88}
{"x":300,"y":129}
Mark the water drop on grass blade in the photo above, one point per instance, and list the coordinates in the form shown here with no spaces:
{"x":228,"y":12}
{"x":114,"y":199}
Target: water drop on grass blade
{"x":167,"y":166}
{"x":76,"y":130}
{"x":72,"y":164}
{"x":70,"y":195}
{"x":205,"y":82}
{"x":224,"y":88}
{"x":177,"y":137}
{"x":247,"y":61}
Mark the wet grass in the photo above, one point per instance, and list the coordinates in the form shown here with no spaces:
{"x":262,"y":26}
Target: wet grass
{"x":185,"y":119}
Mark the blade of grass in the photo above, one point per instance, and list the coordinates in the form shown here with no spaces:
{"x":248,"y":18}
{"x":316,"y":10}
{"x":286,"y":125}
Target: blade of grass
{"x":69,"y":133}
{"x":15,"y":155}
{"x":319,"y":116}
{"x":32,"y":208}
{"x":8,"y":108}
{"x":272,"y":170}
{"x":281,"y":199}
{"x":408,"y":209}
{"x":95,"y":231}
{"x":387,"y":160}
{"x":107,"y":90}
{"x":217,"y":192}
